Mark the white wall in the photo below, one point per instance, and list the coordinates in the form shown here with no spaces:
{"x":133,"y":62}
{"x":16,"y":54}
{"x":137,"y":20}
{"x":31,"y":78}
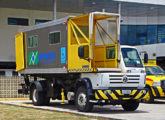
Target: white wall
{"x":156,"y":2}
{"x":156,"y":20}
{"x":7,"y":32}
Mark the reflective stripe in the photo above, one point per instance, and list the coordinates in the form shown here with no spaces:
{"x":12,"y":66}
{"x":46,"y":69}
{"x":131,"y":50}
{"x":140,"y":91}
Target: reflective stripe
{"x":156,"y":92}
{"x":139,"y":95}
{"x":108,"y":95}
{"x":96,"y":96}
{"x":99,"y":96}
{"x":80,"y":70}
{"x":153,"y":92}
{"x":143,"y":95}
{"x":136,"y":93}
{"x":116,"y":95}
{"x":119,"y":92}
{"x":133,"y":92}
{"x":160,"y":90}
{"x":103,"y":95}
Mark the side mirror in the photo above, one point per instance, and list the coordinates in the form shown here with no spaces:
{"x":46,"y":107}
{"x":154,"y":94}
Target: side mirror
{"x":145,"y":58}
{"x":83,"y":52}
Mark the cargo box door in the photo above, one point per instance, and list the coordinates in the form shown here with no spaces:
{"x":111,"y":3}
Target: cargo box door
{"x":19,"y":51}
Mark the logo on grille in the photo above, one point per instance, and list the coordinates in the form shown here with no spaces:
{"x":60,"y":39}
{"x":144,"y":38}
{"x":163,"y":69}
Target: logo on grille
{"x":125,"y":79}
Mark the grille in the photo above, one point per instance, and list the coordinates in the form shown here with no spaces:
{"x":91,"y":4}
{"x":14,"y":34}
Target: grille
{"x":118,"y":79}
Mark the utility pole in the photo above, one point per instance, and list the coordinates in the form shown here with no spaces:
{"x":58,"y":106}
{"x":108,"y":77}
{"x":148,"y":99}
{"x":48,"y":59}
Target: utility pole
{"x":54,"y":10}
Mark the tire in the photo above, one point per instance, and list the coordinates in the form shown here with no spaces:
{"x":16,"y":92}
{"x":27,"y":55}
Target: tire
{"x":37,"y":97}
{"x":46,"y":100}
{"x":82,"y":100}
{"x":150,"y":97}
{"x":130,"y":105}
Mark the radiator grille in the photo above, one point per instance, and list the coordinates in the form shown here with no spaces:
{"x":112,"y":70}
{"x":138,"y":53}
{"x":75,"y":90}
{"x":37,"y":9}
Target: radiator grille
{"x":118,"y":79}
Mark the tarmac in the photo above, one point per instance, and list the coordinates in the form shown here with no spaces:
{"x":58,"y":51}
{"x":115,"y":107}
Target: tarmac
{"x":155,"y":111}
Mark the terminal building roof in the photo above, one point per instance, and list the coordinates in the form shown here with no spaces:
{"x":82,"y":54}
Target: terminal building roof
{"x":129,"y":7}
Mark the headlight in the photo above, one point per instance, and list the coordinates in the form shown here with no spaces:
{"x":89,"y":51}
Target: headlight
{"x":156,"y":83}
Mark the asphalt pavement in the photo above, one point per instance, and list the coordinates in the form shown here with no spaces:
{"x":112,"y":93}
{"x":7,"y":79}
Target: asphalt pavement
{"x":155,"y":111}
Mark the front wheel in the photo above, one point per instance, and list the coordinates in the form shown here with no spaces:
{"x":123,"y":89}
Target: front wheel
{"x":82,"y":100}
{"x":130,"y":105}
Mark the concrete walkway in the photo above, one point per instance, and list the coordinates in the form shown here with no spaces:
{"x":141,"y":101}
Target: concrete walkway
{"x":154,"y":111}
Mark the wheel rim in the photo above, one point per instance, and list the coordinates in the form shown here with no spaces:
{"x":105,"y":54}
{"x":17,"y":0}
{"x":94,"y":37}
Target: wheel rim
{"x":35,"y":95}
{"x":82,"y":99}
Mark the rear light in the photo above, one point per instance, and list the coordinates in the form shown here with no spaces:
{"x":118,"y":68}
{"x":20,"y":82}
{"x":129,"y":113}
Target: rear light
{"x":65,"y":23}
{"x":66,"y":66}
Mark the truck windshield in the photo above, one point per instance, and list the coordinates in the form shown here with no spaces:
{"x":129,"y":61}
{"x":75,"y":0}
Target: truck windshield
{"x":154,"y":70}
{"x":131,"y":57}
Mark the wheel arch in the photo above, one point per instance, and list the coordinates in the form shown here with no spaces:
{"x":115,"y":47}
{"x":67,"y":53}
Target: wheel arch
{"x":38,"y":86}
{"x":87,"y":84}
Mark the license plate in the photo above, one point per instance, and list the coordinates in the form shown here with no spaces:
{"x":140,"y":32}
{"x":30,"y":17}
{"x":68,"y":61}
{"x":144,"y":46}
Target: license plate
{"x":126,"y":91}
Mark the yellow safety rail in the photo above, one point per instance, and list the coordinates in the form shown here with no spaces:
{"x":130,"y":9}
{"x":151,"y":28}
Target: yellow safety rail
{"x":77,"y":38}
{"x":100,"y":56}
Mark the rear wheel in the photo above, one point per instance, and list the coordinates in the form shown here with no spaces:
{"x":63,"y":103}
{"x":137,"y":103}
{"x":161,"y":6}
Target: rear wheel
{"x":82,"y":100}
{"x":130,"y":105}
{"x":37,"y":97}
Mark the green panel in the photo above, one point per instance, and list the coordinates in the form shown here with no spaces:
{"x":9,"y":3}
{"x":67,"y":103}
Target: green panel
{"x":33,"y":58}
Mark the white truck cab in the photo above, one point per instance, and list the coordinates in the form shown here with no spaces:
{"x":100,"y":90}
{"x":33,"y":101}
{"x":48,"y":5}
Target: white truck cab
{"x":130,"y":61}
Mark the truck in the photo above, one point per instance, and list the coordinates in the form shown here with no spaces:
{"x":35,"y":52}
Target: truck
{"x":80,"y":58}
{"x":155,"y":81}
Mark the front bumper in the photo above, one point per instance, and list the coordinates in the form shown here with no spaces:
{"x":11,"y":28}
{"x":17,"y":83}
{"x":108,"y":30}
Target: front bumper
{"x":115,"y":95}
{"x":158,"y":91}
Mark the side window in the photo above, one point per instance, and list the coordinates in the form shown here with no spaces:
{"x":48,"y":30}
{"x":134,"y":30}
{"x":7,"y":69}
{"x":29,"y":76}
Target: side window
{"x":18,"y":21}
{"x":110,"y":52}
{"x":161,"y":33}
{"x":54,"y":38}
{"x":37,"y":21}
{"x":33,"y":41}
